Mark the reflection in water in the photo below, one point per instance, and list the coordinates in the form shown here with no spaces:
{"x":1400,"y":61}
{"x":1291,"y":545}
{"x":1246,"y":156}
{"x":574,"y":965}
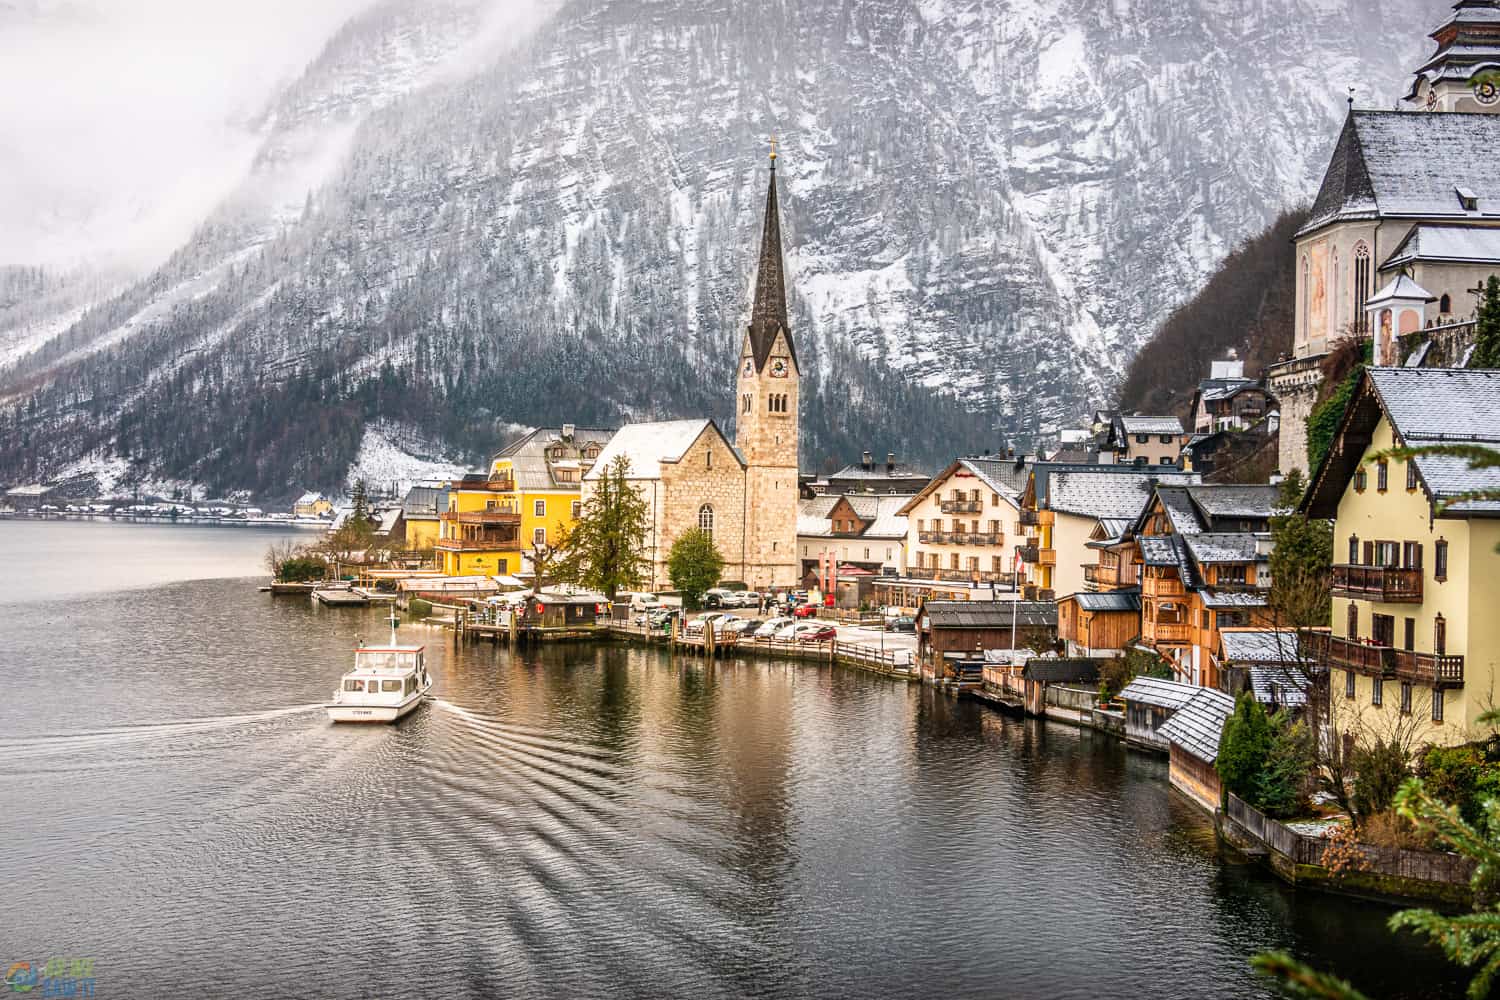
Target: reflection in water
{"x":594,"y":821}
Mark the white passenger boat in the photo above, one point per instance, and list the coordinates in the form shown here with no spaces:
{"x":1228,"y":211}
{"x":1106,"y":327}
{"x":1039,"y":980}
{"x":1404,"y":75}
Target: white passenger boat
{"x":387,"y":682}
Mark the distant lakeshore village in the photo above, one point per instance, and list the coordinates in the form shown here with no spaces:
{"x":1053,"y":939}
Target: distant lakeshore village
{"x":1122,"y":578}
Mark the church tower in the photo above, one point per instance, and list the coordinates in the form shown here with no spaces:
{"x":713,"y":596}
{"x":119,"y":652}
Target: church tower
{"x":766,"y":422}
{"x":1463,"y":75}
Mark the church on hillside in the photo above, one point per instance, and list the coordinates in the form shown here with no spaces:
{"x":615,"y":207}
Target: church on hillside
{"x":744,"y":494}
{"x":1406,"y":225}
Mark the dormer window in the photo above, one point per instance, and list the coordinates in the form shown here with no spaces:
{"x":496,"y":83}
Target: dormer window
{"x":1467,"y":199}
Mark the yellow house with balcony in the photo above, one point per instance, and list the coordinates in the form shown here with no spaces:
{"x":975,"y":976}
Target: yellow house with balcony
{"x":480,"y":532}
{"x":1415,"y":637}
{"x":542,"y":474}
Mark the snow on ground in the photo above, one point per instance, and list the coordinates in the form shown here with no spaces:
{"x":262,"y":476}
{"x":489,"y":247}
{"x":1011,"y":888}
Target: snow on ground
{"x":395,"y":455}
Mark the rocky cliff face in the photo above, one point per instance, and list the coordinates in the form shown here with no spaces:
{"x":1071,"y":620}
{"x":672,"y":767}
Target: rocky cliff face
{"x":987,"y":207}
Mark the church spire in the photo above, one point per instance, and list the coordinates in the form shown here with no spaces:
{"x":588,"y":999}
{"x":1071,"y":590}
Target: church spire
{"x":768,"y":313}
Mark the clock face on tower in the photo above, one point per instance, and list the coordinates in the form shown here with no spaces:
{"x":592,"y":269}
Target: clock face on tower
{"x":749,"y":367}
{"x":779,"y":368}
{"x":1487,"y":88}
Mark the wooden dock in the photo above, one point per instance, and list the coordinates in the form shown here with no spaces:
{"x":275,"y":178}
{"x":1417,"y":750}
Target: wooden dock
{"x":340,"y":598}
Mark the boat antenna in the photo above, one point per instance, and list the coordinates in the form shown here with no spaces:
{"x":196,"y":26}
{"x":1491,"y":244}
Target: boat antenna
{"x":394,"y":622}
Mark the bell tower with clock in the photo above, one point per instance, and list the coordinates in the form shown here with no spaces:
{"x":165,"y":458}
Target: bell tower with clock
{"x":766,"y":417}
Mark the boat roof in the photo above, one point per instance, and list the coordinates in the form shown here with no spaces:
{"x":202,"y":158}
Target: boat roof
{"x":390,"y":649}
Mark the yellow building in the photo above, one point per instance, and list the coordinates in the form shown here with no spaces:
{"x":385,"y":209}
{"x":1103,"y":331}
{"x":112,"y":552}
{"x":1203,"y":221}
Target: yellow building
{"x":421,"y":513}
{"x":312,"y":505}
{"x":1415,"y":638}
{"x":531,"y":495}
{"x":480,"y":532}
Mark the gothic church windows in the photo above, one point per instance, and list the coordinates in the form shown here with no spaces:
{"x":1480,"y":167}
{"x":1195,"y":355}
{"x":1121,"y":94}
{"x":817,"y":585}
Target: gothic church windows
{"x":776,"y":402}
{"x":706,"y":519}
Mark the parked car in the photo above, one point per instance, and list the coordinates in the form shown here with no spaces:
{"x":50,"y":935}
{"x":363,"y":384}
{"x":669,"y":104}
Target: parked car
{"x":661,"y":617}
{"x":641,"y":601}
{"x":806,"y":632}
{"x":716,"y":617}
{"x":805,"y":611}
{"x":769,"y":629}
{"x":906,"y":623}
{"x":741,"y":626}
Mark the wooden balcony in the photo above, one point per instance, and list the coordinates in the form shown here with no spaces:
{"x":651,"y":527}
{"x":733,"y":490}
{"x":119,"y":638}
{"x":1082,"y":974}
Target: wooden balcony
{"x":1429,"y":669}
{"x":961,"y":506}
{"x":1046,"y":557}
{"x":1163,"y":587}
{"x":1364,"y":657}
{"x":1030,"y":554}
{"x":479,"y":543}
{"x":497,"y":515}
{"x":959,"y":538}
{"x":987,"y":538}
{"x":1029,"y":518}
{"x":1166,"y":632}
{"x":502,"y":484}
{"x":1378,"y":583}
{"x":1101,"y":575}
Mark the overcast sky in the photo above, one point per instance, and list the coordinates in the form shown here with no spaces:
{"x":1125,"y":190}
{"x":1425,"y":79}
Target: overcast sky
{"x":122,"y":121}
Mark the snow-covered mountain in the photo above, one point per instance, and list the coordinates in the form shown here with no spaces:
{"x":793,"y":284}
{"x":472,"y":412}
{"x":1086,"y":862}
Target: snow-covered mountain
{"x":456,"y":222}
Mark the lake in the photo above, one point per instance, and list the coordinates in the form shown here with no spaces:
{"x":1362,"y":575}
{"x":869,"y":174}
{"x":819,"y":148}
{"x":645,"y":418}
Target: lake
{"x":576,"y":821}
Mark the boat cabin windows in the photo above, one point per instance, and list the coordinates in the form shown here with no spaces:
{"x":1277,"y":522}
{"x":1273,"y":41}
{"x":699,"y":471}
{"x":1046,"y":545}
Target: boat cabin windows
{"x":392,"y":685}
{"x":354,"y":684}
{"x":385,"y":659}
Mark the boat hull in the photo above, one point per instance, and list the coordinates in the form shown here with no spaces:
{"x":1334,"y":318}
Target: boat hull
{"x":373,"y":713}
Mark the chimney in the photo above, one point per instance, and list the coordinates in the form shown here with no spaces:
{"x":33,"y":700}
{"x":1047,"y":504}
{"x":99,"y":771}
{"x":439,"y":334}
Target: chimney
{"x":890,"y":463}
{"x":567,"y":430}
{"x":868,"y":462}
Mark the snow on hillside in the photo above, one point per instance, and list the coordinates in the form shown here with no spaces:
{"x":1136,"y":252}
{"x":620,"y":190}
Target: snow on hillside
{"x":392,"y":457}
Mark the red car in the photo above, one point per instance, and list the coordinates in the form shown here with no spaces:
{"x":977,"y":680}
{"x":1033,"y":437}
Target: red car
{"x":822,"y":634}
{"x":804,"y":611}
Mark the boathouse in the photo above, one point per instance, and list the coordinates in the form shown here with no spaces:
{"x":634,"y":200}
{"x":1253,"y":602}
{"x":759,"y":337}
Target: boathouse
{"x":969,"y":628}
{"x":1149,"y":703}
{"x":1192,"y":736}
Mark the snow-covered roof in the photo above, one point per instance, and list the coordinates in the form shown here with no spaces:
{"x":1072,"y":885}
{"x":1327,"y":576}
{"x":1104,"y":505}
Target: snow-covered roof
{"x":1400,"y":289}
{"x":1433,"y":406}
{"x":649,"y":445}
{"x":1278,"y":685}
{"x":1006,"y":477}
{"x":1102,"y":491}
{"x":1393,"y":164}
{"x":1231,"y":600}
{"x":881,"y":513}
{"x":1259,"y":646}
{"x":1223,"y":547}
{"x":1198,"y":724}
{"x":387,"y":519}
{"x":528,"y":454}
{"x":1151,"y":425}
{"x":309,"y":498}
{"x":1230,"y":501}
{"x":1447,"y":245}
{"x":1158,"y":692}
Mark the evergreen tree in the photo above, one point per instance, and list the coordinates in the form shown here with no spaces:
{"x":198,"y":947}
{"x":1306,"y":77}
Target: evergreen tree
{"x":1487,"y":328}
{"x":1301,"y":561}
{"x":361,"y":503}
{"x":694,"y":565}
{"x":607,"y":546}
{"x":1244,"y":746}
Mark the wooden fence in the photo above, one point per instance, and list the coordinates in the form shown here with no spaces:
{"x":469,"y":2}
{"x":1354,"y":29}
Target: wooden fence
{"x":1421,"y":866}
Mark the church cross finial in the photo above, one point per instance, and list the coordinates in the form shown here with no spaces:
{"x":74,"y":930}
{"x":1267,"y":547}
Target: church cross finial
{"x":773,"y":150}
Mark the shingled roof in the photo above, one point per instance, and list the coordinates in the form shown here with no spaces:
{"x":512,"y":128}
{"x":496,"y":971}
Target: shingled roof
{"x":1426,"y":406}
{"x":1197,"y":726}
{"x":1159,"y":693}
{"x":1393,"y":164}
{"x":990,"y":614}
{"x":768,"y":311}
{"x":1100,"y":490}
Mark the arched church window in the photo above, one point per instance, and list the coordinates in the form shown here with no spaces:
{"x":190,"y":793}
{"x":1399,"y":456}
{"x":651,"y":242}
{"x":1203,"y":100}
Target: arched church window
{"x":706,"y":519}
{"x":1306,"y":298}
{"x":1445,"y":304}
{"x":1361,"y":284}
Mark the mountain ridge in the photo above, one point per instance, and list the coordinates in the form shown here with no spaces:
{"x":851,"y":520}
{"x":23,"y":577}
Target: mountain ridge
{"x":568,"y":234}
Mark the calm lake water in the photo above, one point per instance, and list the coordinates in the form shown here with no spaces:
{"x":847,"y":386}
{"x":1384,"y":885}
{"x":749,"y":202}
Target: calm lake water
{"x":575,"y":822}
